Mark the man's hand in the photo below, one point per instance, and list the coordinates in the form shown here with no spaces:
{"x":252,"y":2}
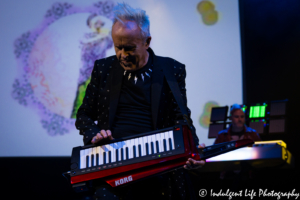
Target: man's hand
{"x":102,"y":135}
{"x":194,"y":164}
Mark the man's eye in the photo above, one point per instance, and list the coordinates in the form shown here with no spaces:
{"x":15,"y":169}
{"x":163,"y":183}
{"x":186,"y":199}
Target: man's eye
{"x":129,"y":48}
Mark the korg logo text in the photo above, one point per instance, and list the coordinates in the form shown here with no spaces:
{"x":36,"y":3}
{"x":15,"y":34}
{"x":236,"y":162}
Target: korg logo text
{"x":123,"y":180}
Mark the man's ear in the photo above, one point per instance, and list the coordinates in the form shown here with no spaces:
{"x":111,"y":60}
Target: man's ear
{"x":148,"y":40}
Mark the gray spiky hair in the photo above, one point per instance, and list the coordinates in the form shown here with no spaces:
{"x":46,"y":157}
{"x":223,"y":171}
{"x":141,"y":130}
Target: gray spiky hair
{"x":123,"y":11}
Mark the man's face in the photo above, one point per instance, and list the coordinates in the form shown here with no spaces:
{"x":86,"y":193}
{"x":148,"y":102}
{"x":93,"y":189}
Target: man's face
{"x":238,"y":118}
{"x":130,"y":47}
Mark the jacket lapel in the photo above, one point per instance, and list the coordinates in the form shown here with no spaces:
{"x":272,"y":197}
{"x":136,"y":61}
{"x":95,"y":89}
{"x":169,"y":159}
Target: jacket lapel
{"x":156,"y":87}
{"x":115,"y":83}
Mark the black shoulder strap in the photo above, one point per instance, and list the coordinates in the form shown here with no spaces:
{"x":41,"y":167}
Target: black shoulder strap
{"x":177,"y":95}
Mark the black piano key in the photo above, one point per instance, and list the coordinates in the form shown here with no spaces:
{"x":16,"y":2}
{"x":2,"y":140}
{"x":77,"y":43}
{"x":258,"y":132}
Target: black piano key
{"x":170,"y":144}
{"x":117,"y":155}
{"x":109,"y":157}
{"x":87,"y":161}
{"x":134,"y":151}
{"x":165,"y":144}
{"x":140,"y":150}
{"x":122,"y":154}
{"x":127,"y":153}
{"x":147,"y":148}
{"x":97,"y":159}
{"x":92,"y":157}
{"x":152,"y":147}
{"x":104,"y":158}
{"x":157,"y":147}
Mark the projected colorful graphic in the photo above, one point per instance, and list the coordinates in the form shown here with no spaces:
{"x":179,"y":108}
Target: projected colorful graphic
{"x":204,"y":119}
{"x":208,"y":13}
{"x":56,"y":58}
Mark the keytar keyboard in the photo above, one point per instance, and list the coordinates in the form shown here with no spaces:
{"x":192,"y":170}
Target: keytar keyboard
{"x":128,"y":159}
{"x":130,"y":151}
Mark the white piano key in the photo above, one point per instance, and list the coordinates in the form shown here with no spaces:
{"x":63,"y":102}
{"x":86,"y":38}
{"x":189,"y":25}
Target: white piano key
{"x":153,"y":139}
{"x":119,"y":150}
{"x":126,"y":145}
{"x":91,"y":159}
{"x":136,"y":144}
{"x":172,"y":139}
{"x":106,"y":150}
{"x":87,"y":153}
{"x":97,"y":152}
{"x":167,"y":140}
{"x":101,"y":151}
{"x":162,"y":137}
{"x":113,"y":153}
{"x":110,"y":149}
{"x":94,"y":155}
{"x":149,"y":139}
{"x":130,"y":147}
{"x":108,"y":146}
{"x":158,"y":138}
{"x":82,"y":159}
{"x":90,"y":156}
{"x":143,"y":141}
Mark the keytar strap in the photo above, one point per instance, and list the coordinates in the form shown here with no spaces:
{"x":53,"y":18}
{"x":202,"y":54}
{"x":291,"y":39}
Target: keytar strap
{"x":173,"y":84}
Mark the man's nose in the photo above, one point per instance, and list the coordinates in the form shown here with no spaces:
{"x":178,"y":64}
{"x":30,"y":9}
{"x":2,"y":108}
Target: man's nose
{"x":124,"y":54}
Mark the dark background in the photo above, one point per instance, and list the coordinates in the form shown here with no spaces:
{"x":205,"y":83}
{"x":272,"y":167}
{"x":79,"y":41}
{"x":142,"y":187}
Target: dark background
{"x":270,"y":31}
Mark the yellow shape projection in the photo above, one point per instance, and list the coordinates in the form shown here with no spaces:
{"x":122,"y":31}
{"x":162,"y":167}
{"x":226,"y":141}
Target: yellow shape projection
{"x":208,"y":13}
{"x":204,"y":119}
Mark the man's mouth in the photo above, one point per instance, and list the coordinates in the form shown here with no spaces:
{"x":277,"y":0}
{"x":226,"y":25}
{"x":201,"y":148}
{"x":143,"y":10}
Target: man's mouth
{"x":126,"y":63}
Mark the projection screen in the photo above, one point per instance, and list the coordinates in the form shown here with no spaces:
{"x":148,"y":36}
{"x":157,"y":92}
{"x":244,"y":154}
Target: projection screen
{"x":47,"y":49}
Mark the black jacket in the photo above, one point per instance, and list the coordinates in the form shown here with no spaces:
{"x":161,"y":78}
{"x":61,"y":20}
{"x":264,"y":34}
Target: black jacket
{"x":102,"y":95}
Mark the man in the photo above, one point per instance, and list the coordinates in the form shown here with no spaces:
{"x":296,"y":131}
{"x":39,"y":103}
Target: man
{"x":128,"y":95}
{"x":237,"y":130}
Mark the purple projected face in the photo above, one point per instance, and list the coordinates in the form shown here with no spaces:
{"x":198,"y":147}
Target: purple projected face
{"x":56,"y":58}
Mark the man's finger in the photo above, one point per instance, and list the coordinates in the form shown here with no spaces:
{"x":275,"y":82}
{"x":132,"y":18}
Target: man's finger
{"x":194,"y":164}
{"x":103,"y":133}
{"x":186,"y":167}
{"x":109,"y":134}
{"x":201,"y":162}
{"x":99,"y":136}
{"x":188,"y":163}
{"x":197,"y":162}
{"x":95,"y":140}
{"x":192,"y":161}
